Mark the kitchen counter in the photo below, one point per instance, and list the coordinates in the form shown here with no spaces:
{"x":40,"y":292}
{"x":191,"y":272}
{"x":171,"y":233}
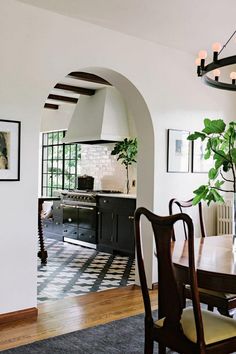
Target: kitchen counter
{"x":117,"y":195}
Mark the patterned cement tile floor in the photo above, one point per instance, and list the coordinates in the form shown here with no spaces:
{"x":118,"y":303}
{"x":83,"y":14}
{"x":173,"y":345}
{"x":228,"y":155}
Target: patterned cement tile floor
{"x":74,"y":270}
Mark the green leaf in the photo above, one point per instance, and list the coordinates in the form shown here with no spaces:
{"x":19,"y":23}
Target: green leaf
{"x":200,"y":189}
{"x":197,"y":199}
{"x":196,"y":135}
{"x":218,"y":163}
{"x":207,"y":154}
{"x":218,"y":183}
{"x":214,"y":126}
{"x":201,"y":192}
{"x":210,"y":198}
{"x":217,"y":196}
{"x":233,"y":154}
{"x":213,"y":173}
{"x":214,"y":142}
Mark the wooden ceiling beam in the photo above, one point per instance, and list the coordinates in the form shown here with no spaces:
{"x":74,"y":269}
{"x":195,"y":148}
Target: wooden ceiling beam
{"x":88,"y":77}
{"x":51,"y":106}
{"x":62,"y":98}
{"x":76,"y":89}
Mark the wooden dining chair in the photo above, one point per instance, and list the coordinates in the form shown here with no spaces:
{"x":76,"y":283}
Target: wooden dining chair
{"x":184,"y":330}
{"x":224,"y":302}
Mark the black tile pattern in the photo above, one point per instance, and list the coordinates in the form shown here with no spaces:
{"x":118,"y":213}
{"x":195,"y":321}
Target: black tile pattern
{"x":74,"y":270}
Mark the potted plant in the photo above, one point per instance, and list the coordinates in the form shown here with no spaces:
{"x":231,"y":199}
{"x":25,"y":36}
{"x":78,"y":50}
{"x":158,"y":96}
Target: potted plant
{"x":221,"y":145}
{"x":126,"y":150}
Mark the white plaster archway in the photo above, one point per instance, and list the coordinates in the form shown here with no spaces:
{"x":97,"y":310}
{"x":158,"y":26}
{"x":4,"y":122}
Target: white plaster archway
{"x":139,"y":111}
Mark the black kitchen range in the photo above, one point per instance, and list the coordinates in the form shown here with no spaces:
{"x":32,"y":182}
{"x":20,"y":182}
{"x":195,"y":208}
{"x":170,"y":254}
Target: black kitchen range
{"x":80,"y":217}
{"x":99,"y":219}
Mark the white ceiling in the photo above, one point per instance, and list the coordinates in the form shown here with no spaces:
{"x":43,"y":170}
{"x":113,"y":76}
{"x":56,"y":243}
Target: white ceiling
{"x":188,"y":25}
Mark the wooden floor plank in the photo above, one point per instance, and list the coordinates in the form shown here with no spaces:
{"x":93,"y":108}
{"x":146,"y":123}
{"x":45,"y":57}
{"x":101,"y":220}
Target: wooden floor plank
{"x":75,"y":313}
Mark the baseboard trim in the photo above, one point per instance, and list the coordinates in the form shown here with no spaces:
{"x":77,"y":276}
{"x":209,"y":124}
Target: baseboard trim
{"x":154,"y":286}
{"x":31,"y":312}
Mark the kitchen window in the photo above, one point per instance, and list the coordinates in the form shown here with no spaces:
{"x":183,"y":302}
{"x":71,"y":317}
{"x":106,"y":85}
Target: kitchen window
{"x":59,"y":163}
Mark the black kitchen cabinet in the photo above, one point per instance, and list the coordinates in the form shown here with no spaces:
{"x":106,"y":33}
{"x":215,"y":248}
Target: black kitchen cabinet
{"x":115,"y":225}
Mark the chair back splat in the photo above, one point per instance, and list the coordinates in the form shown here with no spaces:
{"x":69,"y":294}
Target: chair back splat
{"x":183,"y":205}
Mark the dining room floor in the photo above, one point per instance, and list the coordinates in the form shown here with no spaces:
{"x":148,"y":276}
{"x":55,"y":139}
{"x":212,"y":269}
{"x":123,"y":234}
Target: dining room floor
{"x":75,"y":270}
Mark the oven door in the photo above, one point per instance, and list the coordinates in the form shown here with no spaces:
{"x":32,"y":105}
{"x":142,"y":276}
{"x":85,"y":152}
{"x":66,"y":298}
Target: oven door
{"x":70,"y":221}
{"x":80,"y":224}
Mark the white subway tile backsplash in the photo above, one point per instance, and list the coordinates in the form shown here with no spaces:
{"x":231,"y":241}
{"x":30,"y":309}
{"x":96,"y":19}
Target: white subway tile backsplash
{"x":108,"y":173}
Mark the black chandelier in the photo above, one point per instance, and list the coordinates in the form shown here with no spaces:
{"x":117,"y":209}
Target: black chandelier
{"x":214,"y":66}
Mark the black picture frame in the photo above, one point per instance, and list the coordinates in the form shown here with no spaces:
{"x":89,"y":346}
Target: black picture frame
{"x":178,"y":151}
{"x":10,"y":136}
{"x":199,"y":164}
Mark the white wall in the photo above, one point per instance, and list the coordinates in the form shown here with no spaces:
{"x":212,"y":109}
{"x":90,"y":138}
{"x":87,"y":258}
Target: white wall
{"x":38,"y":49}
{"x":58,"y":119}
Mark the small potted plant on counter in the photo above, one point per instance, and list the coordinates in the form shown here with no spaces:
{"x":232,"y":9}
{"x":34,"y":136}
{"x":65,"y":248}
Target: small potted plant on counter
{"x":126,"y":150}
{"x":221,"y":145}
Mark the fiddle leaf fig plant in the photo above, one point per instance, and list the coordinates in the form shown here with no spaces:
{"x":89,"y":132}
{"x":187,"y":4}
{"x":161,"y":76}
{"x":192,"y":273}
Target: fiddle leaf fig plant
{"x":221,"y":145}
{"x":126,"y":151}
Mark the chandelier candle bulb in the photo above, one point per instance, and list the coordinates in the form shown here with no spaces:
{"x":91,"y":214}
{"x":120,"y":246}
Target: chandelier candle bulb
{"x":216,"y":74}
{"x":216,"y":47}
{"x":202,"y":55}
{"x":198,"y":63}
{"x":233,"y":77}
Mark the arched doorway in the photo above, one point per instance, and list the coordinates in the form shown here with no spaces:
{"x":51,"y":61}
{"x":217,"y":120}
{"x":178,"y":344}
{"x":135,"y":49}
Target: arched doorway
{"x":142,"y":125}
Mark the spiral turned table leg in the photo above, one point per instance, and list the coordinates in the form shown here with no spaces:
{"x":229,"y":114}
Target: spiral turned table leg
{"x":42,"y":253}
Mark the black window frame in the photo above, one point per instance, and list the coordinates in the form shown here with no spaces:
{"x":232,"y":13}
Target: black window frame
{"x":58,"y":156}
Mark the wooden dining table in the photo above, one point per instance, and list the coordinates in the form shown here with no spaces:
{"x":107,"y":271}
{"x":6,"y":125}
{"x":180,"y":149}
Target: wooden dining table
{"x":214,"y":259}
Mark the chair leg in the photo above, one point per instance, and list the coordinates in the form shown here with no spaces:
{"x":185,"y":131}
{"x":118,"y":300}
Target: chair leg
{"x":162,"y":349}
{"x":210,"y":308}
{"x":148,"y":347}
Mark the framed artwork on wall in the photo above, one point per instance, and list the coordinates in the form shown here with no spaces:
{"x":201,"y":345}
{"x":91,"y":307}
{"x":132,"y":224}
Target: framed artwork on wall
{"x":10,"y":150}
{"x":199,"y":164}
{"x":178,"y":151}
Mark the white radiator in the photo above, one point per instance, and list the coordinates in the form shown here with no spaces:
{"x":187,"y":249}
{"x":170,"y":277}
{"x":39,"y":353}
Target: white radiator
{"x":224,"y":218}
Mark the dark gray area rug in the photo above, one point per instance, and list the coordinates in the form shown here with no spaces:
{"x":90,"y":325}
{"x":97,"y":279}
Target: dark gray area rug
{"x":124,"y":336}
